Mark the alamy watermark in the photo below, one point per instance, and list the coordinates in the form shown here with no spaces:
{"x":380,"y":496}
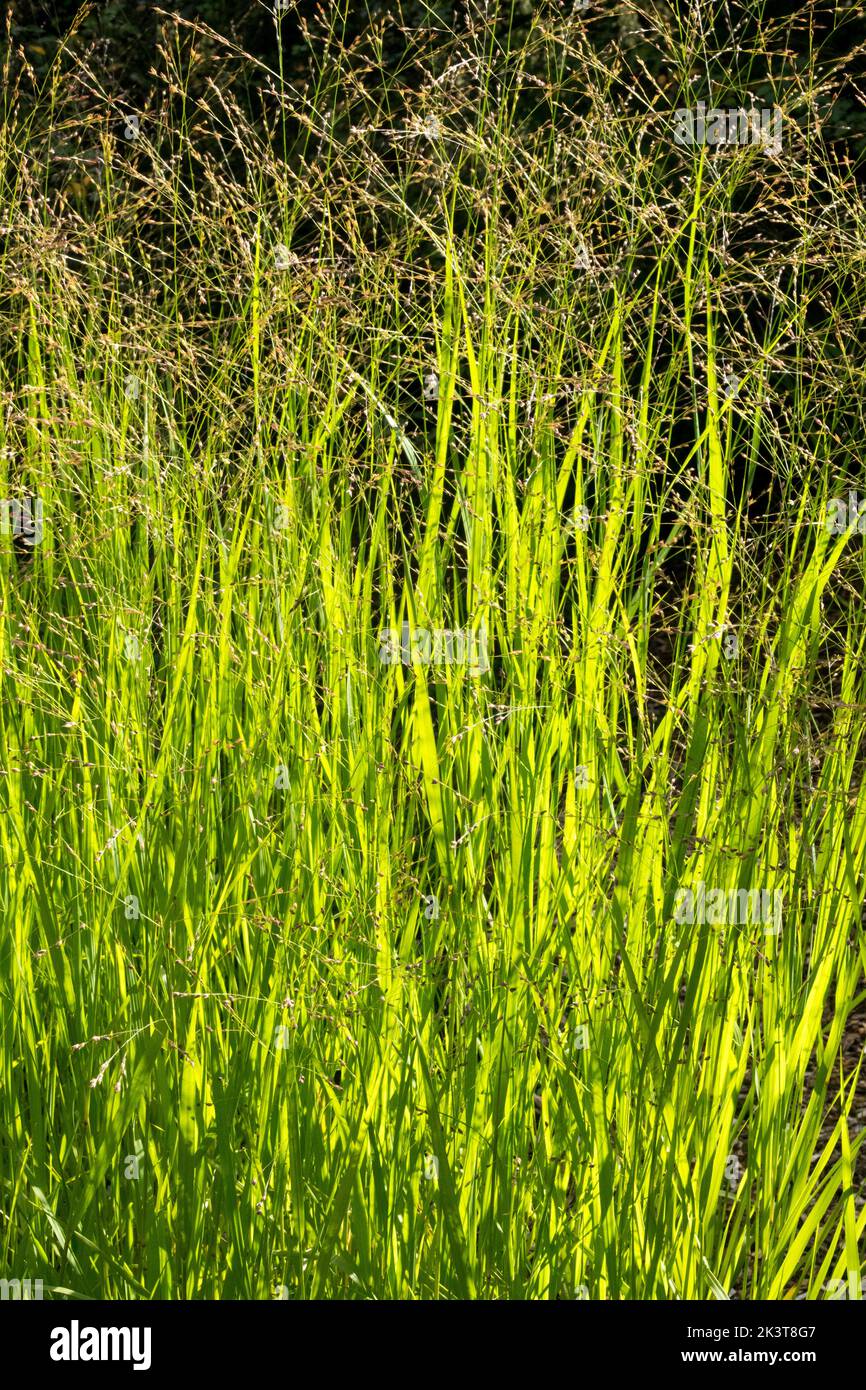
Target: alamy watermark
{"x":716,"y":907}
{"x":20,"y":1289}
{"x":838,"y":1289}
{"x":842,"y":516}
{"x":441,"y":646}
{"x":22,"y":519}
{"x":737,"y":126}
{"x":77,"y":1343}
{"x":733,"y":1171}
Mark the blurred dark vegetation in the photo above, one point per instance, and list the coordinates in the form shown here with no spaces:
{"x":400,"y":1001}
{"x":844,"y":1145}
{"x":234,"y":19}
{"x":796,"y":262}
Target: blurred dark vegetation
{"x":773,"y":52}
{"x":753,"y":41}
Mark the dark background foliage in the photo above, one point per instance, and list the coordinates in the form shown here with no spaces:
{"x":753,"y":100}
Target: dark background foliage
{"x":123,"y":34}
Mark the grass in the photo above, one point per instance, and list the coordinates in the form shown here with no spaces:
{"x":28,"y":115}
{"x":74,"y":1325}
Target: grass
{"x":329,"y":978}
